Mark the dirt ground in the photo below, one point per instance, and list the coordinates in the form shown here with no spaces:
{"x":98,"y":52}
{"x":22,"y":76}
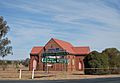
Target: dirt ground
{"x":42,"y":75}
{"x":13,"y":74}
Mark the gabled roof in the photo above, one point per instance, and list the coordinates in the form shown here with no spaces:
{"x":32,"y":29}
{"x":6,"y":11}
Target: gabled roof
{"x":36,"y":50}
{"x":71,"y":49}
{"x":65,"y":45}
{"x":81,"y":50}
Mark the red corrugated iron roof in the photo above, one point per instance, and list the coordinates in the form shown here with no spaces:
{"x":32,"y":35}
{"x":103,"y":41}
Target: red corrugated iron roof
{"x":66,"y":46}
{"x":81,"y":50}
{"x":36,"y":50}
{"x":71,"y":49}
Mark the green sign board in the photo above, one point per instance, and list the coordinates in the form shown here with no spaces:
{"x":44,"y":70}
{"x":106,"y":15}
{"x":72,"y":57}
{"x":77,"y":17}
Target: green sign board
{"x":49,"y":60}
{"x":62,"y":60}
{"x":54,"y":60}
{"x":56,"y":54}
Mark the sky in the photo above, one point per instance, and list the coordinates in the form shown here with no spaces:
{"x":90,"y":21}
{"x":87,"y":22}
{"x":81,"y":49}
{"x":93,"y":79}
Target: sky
{"x":93,"y":23}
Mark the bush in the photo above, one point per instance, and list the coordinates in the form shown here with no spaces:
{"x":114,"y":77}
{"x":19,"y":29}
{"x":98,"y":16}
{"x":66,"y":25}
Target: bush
{"x":96,"y":63}
{"x":9,"y":62}
{"x":107,"y":62}
{"x":113,"y":59}
{"x":4,"y":65}
{"x":26,"y":62}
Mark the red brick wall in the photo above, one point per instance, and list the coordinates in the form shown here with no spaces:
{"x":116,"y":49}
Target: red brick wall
{"x":32,"y":57}
{"x":73,"y":64}
{"x":79,"y":59}
{"x":55,"y":67}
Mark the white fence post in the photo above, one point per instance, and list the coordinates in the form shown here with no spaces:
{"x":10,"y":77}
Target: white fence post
{"x":20,"y":75}
{"x":33,"y":74}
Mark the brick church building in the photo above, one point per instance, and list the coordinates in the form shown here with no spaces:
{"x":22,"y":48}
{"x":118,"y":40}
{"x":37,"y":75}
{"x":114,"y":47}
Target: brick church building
{"x":71,"y":61}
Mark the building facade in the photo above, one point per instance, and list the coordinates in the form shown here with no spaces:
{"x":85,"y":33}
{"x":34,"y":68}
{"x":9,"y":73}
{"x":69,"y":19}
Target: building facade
{"x":72,"y":61}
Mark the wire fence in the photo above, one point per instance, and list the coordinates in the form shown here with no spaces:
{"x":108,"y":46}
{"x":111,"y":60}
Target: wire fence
{"x":24,"y":73}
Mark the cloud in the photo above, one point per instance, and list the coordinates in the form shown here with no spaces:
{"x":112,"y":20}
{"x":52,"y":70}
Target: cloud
{"x":95,"y":23}
{"x":89,"y":11}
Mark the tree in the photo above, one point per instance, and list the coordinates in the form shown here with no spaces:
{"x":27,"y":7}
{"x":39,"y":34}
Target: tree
{"x":96,"y":63}
{"x":113,"y":59}
{"x":5,"y":49}
{"x":103,"y":63}
{"x":4,"y":41}
{"x":26,"y":62}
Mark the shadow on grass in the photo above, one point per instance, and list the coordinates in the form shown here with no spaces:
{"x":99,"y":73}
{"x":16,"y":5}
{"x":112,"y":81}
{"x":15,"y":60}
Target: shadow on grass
{"x":44,"y":76}
{"x":77,"y":74}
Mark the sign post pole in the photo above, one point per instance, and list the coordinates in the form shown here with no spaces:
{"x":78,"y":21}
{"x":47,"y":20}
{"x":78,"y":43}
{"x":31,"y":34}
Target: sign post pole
{"x":51,"y":57}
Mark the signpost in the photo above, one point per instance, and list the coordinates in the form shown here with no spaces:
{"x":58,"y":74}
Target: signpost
{"x":62,"y":61}
{"x":54,"y":60}
{"x":55,"y":56}
{"x":49,"y":60}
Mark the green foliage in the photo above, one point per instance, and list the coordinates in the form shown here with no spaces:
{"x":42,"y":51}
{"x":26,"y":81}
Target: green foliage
{"x":17,"y":65}
{"x":4,"y":65}
{"x":103,"y":63}
{"x":113,"y":59}
{"x":9,"y":62}
{"x":4,"y":41}
{"x":26,"y":62}
{"x":94,"y":62}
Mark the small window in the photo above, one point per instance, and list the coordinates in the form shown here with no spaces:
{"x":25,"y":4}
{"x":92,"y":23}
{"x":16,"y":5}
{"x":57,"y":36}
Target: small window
{"x":68,"y":61}
{"x":73,"y":62}
{"x":57,"y":49}
{"x":51,"y":46}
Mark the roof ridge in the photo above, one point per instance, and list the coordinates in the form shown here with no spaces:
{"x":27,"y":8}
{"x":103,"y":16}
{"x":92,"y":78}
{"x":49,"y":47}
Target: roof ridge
{"x":38,"y":46}
{"x":80,"y":46}
{"x":65,"y":45}
{"x":62,"y":41}
{"x":36,"y":50}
